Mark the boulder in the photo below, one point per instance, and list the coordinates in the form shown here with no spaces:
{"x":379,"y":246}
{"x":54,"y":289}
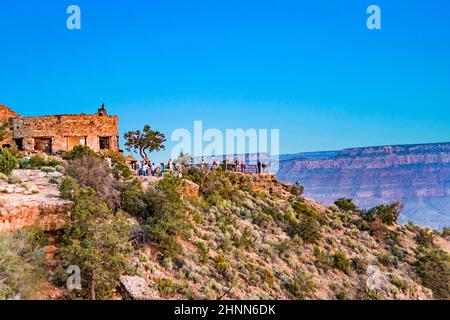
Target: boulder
{"x":134,"y":288}
{"x":190,"y":189}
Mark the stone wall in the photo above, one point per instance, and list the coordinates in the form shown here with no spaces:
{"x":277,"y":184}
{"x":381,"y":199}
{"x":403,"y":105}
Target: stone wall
{"x":60,"y":129}
{"x":5,"y":114}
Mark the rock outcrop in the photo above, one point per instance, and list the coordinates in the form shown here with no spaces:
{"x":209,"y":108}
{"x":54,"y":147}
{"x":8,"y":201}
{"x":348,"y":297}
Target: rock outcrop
{"x":135,"y":288}
{"x":29,"y":198}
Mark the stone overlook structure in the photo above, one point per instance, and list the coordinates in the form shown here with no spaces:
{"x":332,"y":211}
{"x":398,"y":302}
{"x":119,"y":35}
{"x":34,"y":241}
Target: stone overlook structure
{"x":60,"y":133}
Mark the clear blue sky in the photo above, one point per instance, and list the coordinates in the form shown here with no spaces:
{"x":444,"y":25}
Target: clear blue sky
{"x":310,"y":68}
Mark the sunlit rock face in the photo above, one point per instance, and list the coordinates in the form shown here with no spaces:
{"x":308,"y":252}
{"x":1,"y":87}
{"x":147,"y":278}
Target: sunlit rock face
{"x":417,"y":175}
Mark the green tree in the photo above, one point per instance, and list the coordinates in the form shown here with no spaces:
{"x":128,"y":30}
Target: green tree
{"x":146,"y":141}
{"x":96,"y":240}
{"x":345,"y":204}
{"x":433,"y":266}
{"x":387,"y":213}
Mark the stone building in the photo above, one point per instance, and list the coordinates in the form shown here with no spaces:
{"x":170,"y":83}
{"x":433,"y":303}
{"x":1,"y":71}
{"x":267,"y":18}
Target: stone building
{"x":60,"y":133}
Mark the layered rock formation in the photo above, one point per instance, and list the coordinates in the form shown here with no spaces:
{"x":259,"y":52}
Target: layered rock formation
{"x":32,"y":199}
{"x":417,"y":175}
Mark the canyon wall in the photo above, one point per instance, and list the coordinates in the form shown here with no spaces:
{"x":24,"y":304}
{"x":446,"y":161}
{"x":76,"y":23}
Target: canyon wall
{"x":417,"y":175}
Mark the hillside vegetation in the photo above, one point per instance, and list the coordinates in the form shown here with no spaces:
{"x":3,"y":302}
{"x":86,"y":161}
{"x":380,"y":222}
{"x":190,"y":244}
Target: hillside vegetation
{"x":224,"y":235}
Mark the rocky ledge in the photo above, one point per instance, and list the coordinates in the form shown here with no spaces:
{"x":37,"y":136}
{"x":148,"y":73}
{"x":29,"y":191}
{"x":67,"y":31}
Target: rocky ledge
{"x":29,"y":197}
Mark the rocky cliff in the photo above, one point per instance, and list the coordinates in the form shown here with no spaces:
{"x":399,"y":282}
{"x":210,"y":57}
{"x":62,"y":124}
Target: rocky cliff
{"x":417,"y":175}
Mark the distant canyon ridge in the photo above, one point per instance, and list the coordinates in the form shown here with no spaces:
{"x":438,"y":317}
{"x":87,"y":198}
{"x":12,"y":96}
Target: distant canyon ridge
{"x":417,"y":175}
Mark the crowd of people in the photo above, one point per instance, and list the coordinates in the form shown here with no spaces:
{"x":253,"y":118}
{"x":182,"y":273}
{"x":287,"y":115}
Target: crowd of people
{"x":158,"y":170}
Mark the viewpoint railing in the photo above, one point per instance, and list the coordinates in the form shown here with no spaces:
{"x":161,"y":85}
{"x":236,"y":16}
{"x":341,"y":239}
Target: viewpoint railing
{"x":249,"y":168}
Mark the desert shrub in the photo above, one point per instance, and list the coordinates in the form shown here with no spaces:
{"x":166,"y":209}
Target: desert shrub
{"x":52,"y":163}
{"x":132,"y":198}
{"x":203,"y":250}
{"x":387,"y":259}
{"x":266,"y":276}
{"x":246,"y":240}
{"x":302,"y":286}
{"x":341,"y":262}
{"x":398,"y":252}
{"x":22,"y":264}
{"x":361,"y":224}
{"x":35,"y":161}
{"x":79,"y":152}
{"x":219,"y":185}
{"x":297,"y":189}
{"x":221,"y":264}
{"x":309,"y":229}
{"x":341,"y":295}
{"x":424,"y":237}
{"x":96,"y":240}
{"x":445,"y":233}
{"x":7,"y":161}
{"x":360,"y":265}
{"x":119,"y":165}
{"x":433,"y":267}
{"x":324,"y":260}
{"x":92,"y":171}
{"x":345,"y":204}
{"x":167,"y":287}
{"x":194,"y":174}
{"x":53,"y":180}
{"x":68,"y":188}
{"x":399,"y":283}
{"x":388,"y":214}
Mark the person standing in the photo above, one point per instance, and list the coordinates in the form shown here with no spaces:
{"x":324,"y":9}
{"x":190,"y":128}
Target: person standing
{"x":242,"y":165}
{"x":259,"y":167}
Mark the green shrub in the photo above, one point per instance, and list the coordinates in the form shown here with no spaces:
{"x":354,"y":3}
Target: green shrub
{"x":68,"y":188}
{"x":308,"y":228}
{"x":424,"y":237}
{"x":80,"y":151}
{"x":22,"y":264}
{"x":345,"y":204}
{"x":341,"y":262}
{"x":132,"y":198}
{"x":194,"y":174}
{"x":388,"y":214}
{"x":94,"y":172}
{"x":399,"y":283}
{"x":221,"y":264}
{"x":387,"y":259}
{"x":7,"y":161}
{"x":324,"y":260}
{"x":203,"y":250}
{"x":360,"y":265}
{"x":302,"y":286}
{"x":342,"y":295}
{"x":433,"y":267}
{"x":167,"y":287}
{"x":36,"y":162}
{"x":120,"y":167}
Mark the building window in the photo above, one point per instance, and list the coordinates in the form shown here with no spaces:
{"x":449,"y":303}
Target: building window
{"x":43,"y":145}
{"x":72,"y":142}
{"x":104,"y":143}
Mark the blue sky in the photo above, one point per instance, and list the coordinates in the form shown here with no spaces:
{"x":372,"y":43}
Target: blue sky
{"x":310,"y":68}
